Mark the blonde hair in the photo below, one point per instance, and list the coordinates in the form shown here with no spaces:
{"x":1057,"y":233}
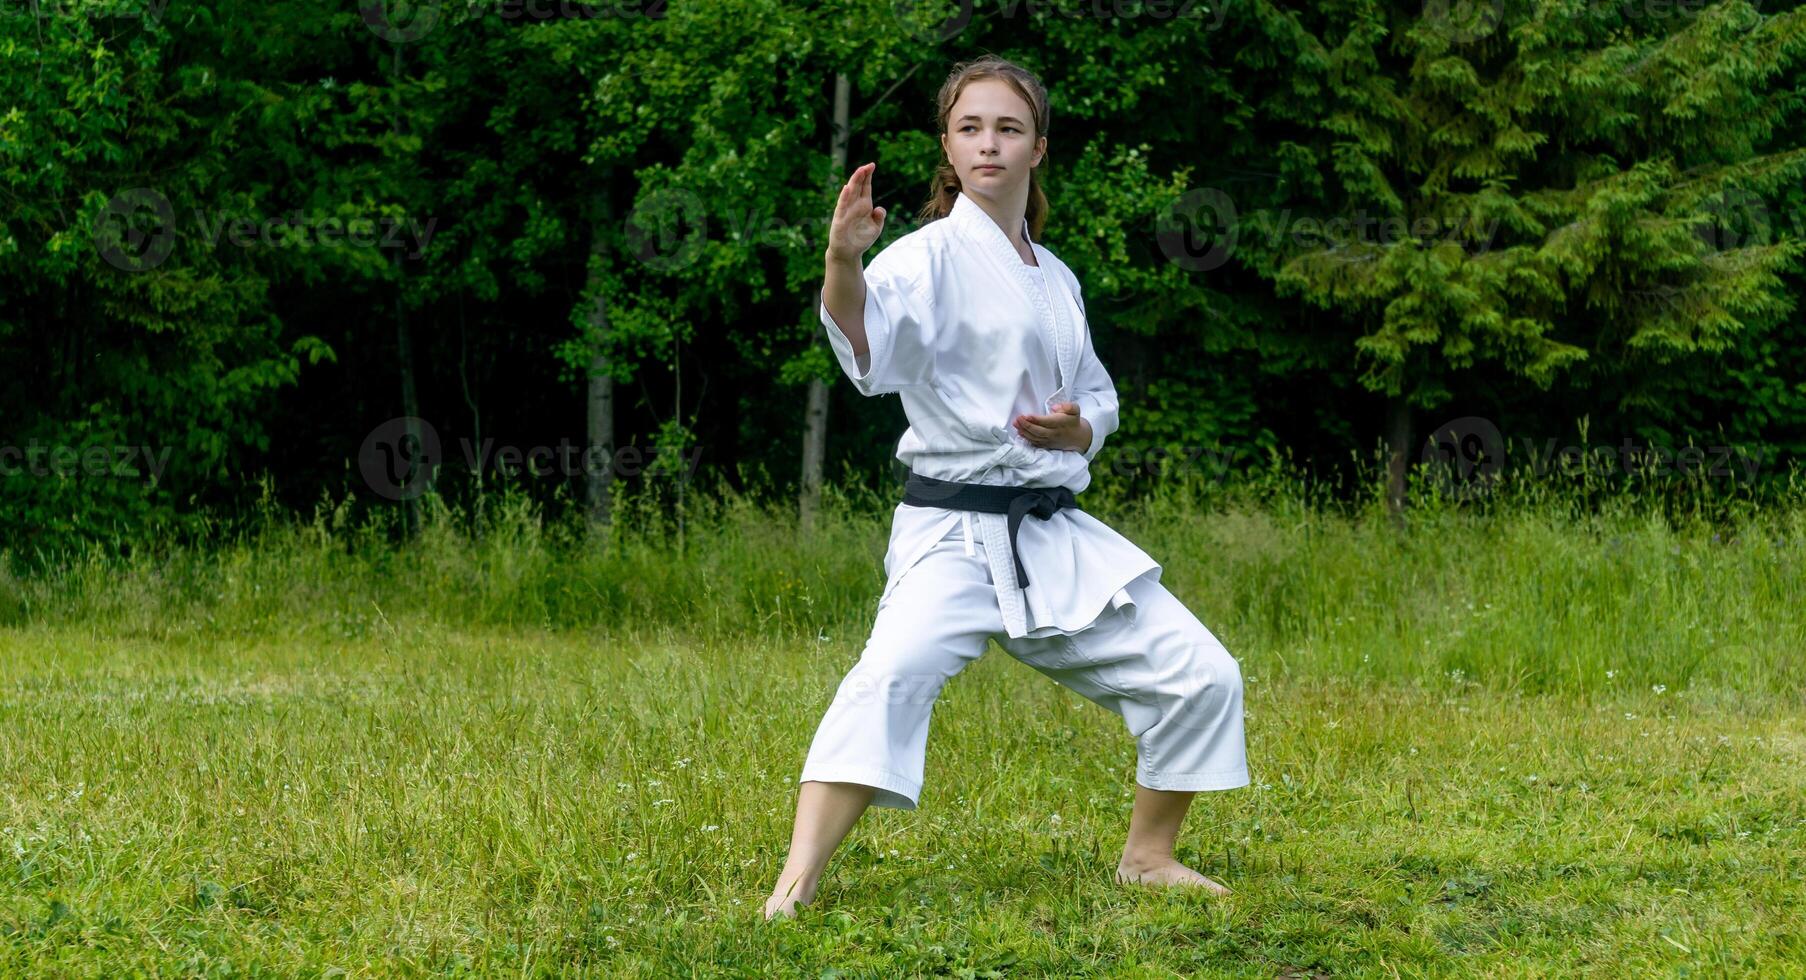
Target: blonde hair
{"x":947,"y":184}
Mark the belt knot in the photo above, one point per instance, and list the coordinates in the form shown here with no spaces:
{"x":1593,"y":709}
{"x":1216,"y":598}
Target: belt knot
{"x":1017,"y":502}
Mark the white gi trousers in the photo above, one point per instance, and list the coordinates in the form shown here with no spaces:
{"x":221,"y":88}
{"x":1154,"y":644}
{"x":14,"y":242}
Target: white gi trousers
{"x":1152,"y":662}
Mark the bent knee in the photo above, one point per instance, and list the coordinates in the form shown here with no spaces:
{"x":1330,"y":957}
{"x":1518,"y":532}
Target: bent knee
{"x":1210,"y":671}
{"x":914,"y":656}
{"x":897,"y":673}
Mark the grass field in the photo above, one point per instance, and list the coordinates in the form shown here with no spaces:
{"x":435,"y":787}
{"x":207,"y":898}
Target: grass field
{"x":1520,"y":743}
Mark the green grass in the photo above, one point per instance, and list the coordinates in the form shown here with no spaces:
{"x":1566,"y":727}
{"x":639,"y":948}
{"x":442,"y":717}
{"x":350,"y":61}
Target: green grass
{"x":1526,"y":741}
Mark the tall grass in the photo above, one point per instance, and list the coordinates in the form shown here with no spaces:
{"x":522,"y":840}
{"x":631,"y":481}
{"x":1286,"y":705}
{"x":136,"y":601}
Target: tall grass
{"x":511,"y":747}
{"x":1534,"y":586}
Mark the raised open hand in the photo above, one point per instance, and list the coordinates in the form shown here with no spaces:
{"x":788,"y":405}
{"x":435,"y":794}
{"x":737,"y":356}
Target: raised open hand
{"x":856,"y":223}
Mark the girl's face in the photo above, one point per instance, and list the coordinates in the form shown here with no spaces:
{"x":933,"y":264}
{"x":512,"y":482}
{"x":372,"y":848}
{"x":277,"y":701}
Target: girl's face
{"x":989,"y":140}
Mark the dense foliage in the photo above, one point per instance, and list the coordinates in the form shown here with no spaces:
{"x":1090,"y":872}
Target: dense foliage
{"x":237,"y":239}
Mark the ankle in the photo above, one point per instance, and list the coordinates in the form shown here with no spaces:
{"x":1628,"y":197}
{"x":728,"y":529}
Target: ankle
{"x":798,"y":886}
{"x":1145,"y":859}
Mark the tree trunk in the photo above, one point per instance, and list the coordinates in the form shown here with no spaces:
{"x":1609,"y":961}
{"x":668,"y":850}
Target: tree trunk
{"x":599,"y":456}
{"x":1398,"y":453}
{"x":815,"y":437}
{"x":410,"y":405}
{"x":470,"y":398}
{"x":815,"y":414}
{"x":404,"y":353}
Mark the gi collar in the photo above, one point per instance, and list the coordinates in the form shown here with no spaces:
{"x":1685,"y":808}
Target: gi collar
{"x":967,"y":212}
{"x":976,"y":227}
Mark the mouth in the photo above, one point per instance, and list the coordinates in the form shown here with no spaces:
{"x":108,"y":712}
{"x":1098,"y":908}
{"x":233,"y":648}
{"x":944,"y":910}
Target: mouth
{"x":987,"y":167}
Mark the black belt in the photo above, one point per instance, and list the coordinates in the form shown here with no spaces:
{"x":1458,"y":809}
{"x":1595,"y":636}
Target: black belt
{"x":1043,"y":502}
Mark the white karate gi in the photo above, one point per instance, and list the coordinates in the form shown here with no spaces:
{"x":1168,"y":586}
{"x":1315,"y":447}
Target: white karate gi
{"x":967,"y":334}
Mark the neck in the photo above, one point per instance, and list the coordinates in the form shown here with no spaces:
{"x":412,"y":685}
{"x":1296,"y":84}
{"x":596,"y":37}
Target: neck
{"x":1007,"y":214}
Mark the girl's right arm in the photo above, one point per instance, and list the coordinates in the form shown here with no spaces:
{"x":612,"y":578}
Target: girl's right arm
{"x":881,"y":320}
{"x":855,"y":227}
{"x":843,"y":293}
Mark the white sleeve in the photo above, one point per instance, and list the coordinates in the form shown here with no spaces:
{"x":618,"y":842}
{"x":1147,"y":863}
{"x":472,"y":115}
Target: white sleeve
{"x":1092,"y":389}
{"x":900,"y":326}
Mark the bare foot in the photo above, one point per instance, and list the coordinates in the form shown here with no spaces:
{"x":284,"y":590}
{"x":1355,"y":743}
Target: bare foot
{"x":1165,"y":872}
{"x":784,"y":905}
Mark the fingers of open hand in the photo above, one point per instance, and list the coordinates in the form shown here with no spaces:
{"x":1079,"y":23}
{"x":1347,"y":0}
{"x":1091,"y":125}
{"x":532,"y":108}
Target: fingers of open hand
{"x":855,"y":219}
{"x":1061,"y":429}
{"x":855,"y":200}
{"x":1040,"y":429}
{"x":862,"y":185}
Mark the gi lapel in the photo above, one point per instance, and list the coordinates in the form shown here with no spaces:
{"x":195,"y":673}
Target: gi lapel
{"x":1050,"y":311}
{"x":1066,"y":309}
